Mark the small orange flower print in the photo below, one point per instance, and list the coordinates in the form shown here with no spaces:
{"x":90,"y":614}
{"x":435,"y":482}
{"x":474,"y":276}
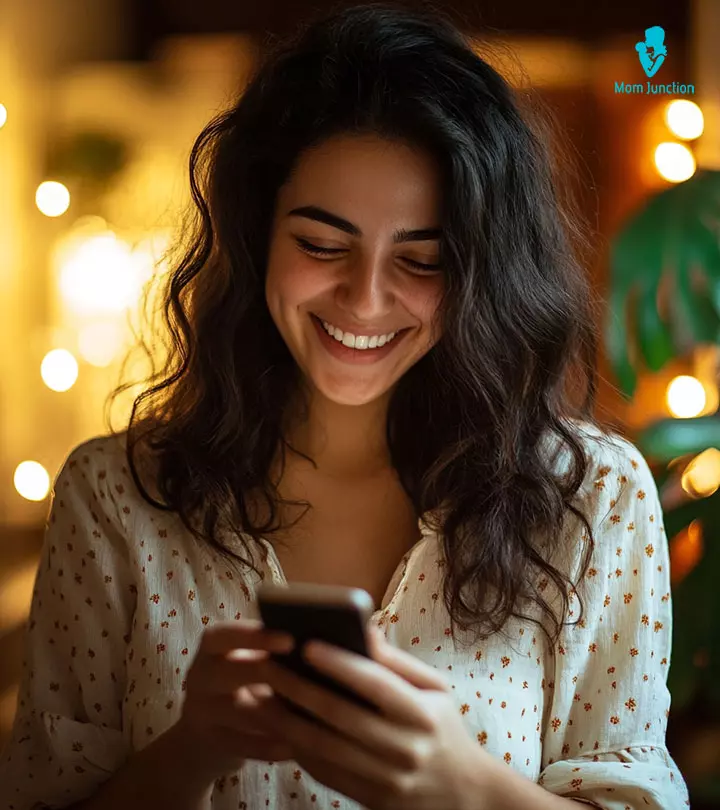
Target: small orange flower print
{"x":614,"y":719}
{"x":628,"y":597}
{"x":505,"y":661}
{"x":482,"y":737}
{"x":630,"y":704}
{"x":592,"y":647}
{"x":657,"y":626}
{"x":588,"y":706}
{"x":556,"y":723}
{"x":508,"y":757}
{"x":633,"y":652}
{"x":575,"y":784}
{"x":607,"y":600}
{"x":645,"y":619}
{"x":649,"y":550}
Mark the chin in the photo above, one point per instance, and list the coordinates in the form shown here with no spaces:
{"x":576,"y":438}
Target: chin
{"x":350,"y":394}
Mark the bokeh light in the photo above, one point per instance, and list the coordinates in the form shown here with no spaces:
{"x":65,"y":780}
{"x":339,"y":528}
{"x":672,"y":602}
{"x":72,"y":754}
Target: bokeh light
{"x":685,"y":397}
{"x":59,"y":370}
{"x":98,"y":274}
{"x":31,"y":481}
{"x":52,"y":198}
{"x":100,"y":343}
{"x":3,"y":115}
{"x":702,"y":475}
{"x":675,"y":162}
{"x":684,"y":119}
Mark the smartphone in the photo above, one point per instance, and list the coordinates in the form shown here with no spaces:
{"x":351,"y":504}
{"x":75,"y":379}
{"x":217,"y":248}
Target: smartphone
{"x":332,"y":613}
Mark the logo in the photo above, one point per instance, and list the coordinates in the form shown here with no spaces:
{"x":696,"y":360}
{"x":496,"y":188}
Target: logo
{"x":653,"y":51}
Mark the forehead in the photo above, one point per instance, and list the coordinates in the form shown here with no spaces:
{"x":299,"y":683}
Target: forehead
{"x":368,"y":178}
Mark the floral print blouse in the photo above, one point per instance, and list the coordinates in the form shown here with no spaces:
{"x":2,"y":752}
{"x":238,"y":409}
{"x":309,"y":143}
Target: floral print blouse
{"x":123,"y":593}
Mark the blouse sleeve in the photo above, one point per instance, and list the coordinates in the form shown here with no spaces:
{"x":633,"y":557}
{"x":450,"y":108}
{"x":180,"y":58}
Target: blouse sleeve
{"x":604,"y":734}
{"x":67,"y":737}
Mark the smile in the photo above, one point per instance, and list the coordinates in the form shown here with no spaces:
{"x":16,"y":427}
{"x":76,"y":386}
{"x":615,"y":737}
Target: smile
{"x":360,"y":349}
{"x":361,"y":342}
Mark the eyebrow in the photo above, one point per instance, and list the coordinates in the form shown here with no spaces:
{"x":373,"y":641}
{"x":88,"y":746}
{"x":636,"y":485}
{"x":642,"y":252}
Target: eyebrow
{"x":318,"y":214}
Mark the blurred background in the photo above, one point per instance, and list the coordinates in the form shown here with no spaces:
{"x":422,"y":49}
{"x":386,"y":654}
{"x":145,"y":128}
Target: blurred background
{"x":100,"y":101}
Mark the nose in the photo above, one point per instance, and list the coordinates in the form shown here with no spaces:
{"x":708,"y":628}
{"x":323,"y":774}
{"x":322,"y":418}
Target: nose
{"x":365,"y":289}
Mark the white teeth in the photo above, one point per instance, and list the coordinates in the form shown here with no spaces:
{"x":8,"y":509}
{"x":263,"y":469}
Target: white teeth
{"x":361,"y":342}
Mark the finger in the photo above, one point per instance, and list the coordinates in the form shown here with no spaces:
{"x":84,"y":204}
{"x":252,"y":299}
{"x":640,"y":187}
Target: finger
{"x":224,"y":637}
{"x":325,"y":748}
{"x":384,"y":737}
{"x":395,"y":696}
{"x":255,"y":746}
{"x":223,"y":676}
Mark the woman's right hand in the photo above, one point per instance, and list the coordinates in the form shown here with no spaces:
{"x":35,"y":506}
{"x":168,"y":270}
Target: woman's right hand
{"x":222,"y":721}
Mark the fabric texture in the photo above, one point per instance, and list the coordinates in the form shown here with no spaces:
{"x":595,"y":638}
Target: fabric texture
{"x":123,"y":593}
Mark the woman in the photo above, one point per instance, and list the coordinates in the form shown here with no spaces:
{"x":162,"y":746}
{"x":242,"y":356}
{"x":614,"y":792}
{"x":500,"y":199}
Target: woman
{"x":375,"y":318}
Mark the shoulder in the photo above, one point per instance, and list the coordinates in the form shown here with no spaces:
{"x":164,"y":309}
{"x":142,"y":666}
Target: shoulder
{"x":615,"y":466}
{"x":619,"y":499}
{"x":94,"y":477}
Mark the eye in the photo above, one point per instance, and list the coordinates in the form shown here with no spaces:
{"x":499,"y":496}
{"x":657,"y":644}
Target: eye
{"x":423,"y":268}
{"x":317,"y":250}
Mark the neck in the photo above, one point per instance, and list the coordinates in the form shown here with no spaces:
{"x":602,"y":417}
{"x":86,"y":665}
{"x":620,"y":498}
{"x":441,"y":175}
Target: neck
{"x":347,"y":441}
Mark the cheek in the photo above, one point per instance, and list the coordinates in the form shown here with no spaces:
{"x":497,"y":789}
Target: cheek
{"x":291,"y":280}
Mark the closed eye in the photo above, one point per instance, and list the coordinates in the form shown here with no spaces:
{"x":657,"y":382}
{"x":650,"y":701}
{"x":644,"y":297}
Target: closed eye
{"x":317,"y":250}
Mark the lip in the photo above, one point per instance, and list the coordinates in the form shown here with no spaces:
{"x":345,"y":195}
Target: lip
{"x":352,"y":356}
{"x":363,"y":332}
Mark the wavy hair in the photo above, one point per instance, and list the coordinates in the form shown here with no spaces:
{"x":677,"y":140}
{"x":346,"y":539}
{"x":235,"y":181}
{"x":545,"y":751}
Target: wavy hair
{"x":518,"y":314}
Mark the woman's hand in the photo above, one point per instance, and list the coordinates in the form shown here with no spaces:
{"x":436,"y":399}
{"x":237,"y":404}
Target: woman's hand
{"x":222,"y":717}
{"x":415,"y":755}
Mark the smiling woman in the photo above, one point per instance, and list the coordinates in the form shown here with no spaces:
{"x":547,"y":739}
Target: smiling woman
{"x":377,"y":315}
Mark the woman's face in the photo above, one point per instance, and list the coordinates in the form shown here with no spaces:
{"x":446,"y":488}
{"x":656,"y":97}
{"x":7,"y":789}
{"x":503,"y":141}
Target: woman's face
{"x":373,"y":208}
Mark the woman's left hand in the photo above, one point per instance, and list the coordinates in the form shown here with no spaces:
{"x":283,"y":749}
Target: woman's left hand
{"x":415,"y":755}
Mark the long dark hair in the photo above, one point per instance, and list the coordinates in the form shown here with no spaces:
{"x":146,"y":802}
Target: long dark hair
{"x":518,"y":314}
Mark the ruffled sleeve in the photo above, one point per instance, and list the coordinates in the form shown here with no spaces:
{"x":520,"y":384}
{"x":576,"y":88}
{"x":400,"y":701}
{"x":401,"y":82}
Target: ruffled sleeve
{"x":67,"y":737}
{"x":604,"y":732}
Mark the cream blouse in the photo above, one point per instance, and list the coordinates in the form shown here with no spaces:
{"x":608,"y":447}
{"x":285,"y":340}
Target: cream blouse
{"x":123,"y":593}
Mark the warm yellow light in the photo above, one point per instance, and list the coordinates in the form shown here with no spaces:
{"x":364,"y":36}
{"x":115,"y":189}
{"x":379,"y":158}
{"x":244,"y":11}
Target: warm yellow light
{"x":675,"y":162}
{"x":98,"y":274}
{"x":100,"y":343}
{"x":3,"y":115}
{"x":59,"y":370}
{"x":685,"y":397}
{"x":31,"y":481}
{"x":52,"y":198}
{"x":702,"y":475}
{"x":684,"y":119}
